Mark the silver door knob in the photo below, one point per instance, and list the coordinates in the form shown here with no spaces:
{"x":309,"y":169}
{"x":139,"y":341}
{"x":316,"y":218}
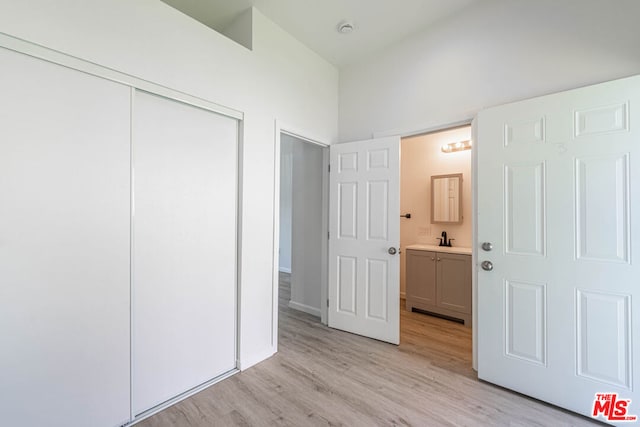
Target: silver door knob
{"x":392,"y":250}
{"x":487,"y":265}
{"x":487,"y":246}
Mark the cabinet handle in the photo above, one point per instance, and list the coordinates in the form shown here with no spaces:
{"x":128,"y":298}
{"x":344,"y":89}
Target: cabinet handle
{"x":438,"y":259}
{"x":433,"y":259}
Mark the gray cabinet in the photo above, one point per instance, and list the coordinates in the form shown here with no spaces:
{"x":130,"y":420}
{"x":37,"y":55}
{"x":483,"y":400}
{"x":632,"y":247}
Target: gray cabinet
{"x":439,"y":283}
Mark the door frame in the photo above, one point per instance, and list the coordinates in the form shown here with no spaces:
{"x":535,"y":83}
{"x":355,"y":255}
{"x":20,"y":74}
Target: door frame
{"x":468,"y":120}
{"x":305,"y":136}
{"x":281,"y":127}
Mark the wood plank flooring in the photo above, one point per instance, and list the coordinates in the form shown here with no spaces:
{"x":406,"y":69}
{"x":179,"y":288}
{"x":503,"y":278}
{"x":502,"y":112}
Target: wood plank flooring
{"x":325,"y":377}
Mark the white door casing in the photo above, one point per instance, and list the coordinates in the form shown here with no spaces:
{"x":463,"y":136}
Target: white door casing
{"x":555,"y":176}
{"x":364,"y":223}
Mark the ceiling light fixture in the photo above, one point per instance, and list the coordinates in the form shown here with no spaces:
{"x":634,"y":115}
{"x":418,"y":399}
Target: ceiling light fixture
{"x":346,"y":27}
{"x":452,"y":147}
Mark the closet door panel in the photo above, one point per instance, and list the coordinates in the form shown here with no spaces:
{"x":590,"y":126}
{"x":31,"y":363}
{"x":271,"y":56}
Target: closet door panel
{"x":64,"y":246}
{"x":184,"y":280}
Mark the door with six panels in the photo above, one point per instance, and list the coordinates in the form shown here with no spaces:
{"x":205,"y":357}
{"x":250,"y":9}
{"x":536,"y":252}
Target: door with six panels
{"x":558,"y":201}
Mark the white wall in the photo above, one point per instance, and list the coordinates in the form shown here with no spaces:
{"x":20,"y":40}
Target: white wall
{"x":421,"y":158}
{"x":280,"y":79}
{"x":286,"y":194}
{"x":307,"y":218}
{"x":495,"y":52}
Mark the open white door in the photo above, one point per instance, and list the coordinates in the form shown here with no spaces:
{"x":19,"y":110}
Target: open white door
{"x":556,"y":312}
{"x":364,"y":230}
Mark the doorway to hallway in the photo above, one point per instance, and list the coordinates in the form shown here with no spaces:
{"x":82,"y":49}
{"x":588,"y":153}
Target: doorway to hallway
{"x":303,"y":240}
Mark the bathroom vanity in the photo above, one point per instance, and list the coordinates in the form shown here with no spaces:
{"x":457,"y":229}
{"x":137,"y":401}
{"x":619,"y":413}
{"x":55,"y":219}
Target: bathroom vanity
{"x":438,"y":281}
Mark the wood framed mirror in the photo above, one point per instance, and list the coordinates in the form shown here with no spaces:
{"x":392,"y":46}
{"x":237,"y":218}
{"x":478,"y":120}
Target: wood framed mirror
{"x":446,"y":199}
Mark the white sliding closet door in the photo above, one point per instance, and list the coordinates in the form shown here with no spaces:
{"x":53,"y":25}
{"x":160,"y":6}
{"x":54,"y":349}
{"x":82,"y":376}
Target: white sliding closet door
{"x":64,"y":246}
{"x":184,"y":248}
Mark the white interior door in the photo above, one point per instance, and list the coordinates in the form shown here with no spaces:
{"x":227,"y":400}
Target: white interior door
{"x":558,"y":200}
{"x":184,"y":248}
{"x":364,"y":230}
{"x":64,"y":246}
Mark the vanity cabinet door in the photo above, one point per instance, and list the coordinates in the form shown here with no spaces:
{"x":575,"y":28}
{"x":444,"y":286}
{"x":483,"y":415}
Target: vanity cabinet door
{"x":454,"y":282}
{"x":421,"y":279}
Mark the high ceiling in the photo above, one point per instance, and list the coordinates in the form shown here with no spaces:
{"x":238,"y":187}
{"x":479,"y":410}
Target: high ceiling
{"x":378,"y":23}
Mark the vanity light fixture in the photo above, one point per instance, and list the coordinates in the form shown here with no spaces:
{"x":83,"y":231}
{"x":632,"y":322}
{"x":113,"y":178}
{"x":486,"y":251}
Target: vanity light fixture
{"x":452,"y":147}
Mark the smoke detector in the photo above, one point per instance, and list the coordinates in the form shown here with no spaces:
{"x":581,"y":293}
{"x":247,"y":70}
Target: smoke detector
{"x":346,"y":27}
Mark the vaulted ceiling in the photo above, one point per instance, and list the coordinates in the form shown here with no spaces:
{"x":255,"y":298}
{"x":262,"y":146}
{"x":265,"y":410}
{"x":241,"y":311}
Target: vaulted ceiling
{"x":378,"y":23}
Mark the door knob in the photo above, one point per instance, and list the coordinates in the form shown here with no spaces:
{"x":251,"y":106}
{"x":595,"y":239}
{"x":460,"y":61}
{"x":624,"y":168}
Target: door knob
{"x":487,"y":246}
{"x":392,"y":250}
{"x":487,"y":265}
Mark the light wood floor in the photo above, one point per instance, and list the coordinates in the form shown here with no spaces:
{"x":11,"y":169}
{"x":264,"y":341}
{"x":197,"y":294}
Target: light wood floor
{"x":322,"y":376}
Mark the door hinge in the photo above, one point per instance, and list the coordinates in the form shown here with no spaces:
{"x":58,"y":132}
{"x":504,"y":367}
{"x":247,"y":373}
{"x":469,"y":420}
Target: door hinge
{"x":328,"y":235}
{"x":329,"y":168}
{"x":327,"y":302}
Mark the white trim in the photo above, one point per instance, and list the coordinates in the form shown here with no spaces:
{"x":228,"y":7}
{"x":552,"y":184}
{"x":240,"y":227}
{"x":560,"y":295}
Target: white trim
{"x":285,"y":270}
{"x":303,"y":139}
{"x":474,"y":247}
{"x":132,"y":93}
{"x":304,"y":308}
{"x":256,"y":358}
{"x":181,"y":397}
{"x":56,"y":57}
{"x":324,"y":260}
{"x":430,"y":128}
{"x":239,"y":208}
{"x":275,"y":279}
{"x":303,"y":134}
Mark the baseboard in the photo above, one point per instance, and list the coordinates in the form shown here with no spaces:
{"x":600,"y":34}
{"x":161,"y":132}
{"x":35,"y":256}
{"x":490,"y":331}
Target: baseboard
{"x":304,"y":308}
{"x":284,"y":270}
{"x":248,"y":362}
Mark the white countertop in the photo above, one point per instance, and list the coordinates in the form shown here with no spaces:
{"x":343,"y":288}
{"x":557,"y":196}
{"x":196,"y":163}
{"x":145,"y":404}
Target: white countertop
{"x":436,"y":248}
